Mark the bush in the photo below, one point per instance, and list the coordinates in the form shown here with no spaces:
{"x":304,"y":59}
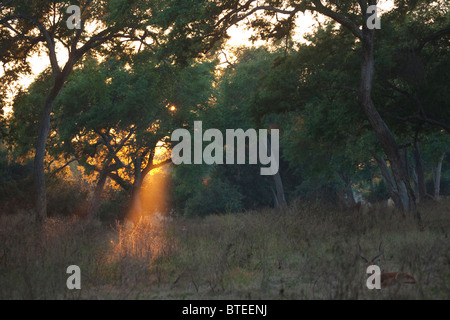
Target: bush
{"x":214,"y":197}
{"x":378,"y":193}
{"x":65,"y":198}
{"x":444,"y":189}
{"x":15,"y":185}
{"x":115,"y":207}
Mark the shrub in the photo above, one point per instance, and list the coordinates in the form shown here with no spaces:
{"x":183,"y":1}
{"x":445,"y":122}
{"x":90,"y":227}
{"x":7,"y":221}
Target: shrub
{"x":378,"y":193}
{"x":215,"y":197}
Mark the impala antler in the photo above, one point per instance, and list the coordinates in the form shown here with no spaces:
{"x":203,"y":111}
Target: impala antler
{"x":359,"y":253}
{"x":380,"y":252}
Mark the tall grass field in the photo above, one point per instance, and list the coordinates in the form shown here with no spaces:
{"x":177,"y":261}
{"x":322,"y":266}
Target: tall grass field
{"x":301,"y":252}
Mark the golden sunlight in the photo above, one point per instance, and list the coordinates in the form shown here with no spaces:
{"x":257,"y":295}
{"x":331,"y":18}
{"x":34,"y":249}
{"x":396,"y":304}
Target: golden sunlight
{"x":151,"y":203}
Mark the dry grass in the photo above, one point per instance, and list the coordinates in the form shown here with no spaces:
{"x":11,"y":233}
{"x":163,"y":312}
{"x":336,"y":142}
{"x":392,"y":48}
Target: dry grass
{"x":303,"y":252}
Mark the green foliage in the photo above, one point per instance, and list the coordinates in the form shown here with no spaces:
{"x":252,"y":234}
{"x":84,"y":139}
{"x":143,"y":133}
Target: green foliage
{"x":377,"y":193}
{"x":23,"y":123}
{"x":413,"y":58}
{"x":112,"y":98}
{"x":214,"y":196}
{"x":242,"y":186}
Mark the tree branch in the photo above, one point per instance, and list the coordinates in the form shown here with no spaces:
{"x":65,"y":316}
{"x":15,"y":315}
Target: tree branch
{"x":5,"y":3}
{"x":343,"y":20}
{"x":110,"y":148}
{"x":126,"y":186}
{"x":420,"y":118}
{"x":61,"y":168}
{"x":49,"y":40}
{"x":432,"y":37}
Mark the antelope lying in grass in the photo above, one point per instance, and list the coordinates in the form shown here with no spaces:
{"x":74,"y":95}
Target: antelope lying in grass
{"x":389,"y":279}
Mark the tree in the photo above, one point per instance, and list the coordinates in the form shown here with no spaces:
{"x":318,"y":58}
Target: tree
{"x":309,"y":94}
{"x":30,"y":26}
{"x":436,"y":149}
{"x":237,"y":88}
{"x":205,"y":189}
{"x":112,"y":116}
{"x":350,"y":15}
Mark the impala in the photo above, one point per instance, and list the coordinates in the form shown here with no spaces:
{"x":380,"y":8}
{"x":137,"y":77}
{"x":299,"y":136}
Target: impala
{"x":389,"y":279}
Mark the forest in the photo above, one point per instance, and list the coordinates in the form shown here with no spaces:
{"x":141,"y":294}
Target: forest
{"x":358,"y":114}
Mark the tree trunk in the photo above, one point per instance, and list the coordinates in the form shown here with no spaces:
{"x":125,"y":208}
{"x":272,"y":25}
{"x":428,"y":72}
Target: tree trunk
{"x":422,"y":189}
{"x":136,"y":206}
{"x":281,"y":200}
{"x":94,"y":203}
{"x":275,"y":198}
{"x":139,"y":177}
{"x":437,"y":178}
{"x":407,"y":202}
{"x":39,"y":174}
{"x":389,"y":179}
{"x":44,"y":127}
{"x":416,"y":183}
{"x":345,"y":194}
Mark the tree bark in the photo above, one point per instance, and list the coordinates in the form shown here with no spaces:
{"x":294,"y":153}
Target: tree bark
{"x":139,"y":176}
